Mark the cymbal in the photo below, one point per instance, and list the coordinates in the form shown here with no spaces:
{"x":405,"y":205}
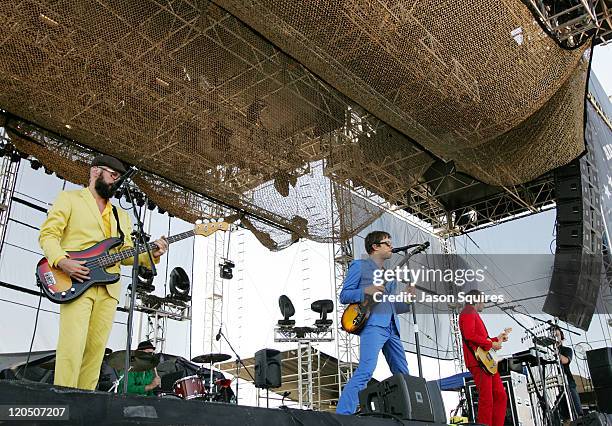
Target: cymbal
{"x":139,"y":360}
{"x":48,"y":365}
{"x":211,"y":358}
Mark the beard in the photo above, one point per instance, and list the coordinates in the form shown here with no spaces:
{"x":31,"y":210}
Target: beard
{"x":103,"y":189}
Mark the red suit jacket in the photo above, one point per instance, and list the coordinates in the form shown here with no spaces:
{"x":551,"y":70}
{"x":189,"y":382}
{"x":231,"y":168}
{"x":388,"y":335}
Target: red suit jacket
{"x":474,"y":334}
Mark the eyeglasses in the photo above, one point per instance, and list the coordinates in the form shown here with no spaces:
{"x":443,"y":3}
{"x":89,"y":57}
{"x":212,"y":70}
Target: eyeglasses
{"x":387,"y":243}
{"x":112,"y":173}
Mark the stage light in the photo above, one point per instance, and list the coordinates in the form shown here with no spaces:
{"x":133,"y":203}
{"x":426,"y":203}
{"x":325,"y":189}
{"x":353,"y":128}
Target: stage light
{"x":160,"y":210}
{"x":226,"y":270}
{"x":145,"y":280}
{"x":179,"y":284}
{"x":48,"y":171}
{"x":151,"y":205}
{"x":15,"y":157}
{"x":35,"y":164}
{"x":322,"y":307}
{"x":287,"y":311}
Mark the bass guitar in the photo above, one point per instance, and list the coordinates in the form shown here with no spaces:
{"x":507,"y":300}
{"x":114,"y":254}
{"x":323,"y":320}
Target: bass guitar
{"x":59,"y":287}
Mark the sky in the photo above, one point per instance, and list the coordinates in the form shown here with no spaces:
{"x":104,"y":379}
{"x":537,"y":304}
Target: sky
{"x":602,"y":66}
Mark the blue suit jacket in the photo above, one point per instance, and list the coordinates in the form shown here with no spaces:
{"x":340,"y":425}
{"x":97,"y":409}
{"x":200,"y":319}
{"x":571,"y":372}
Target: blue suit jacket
{"x":360,"y":275}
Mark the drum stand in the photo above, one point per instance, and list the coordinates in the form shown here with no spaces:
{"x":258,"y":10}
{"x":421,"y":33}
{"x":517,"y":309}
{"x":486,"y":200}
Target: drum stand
{"x":115,"y":386}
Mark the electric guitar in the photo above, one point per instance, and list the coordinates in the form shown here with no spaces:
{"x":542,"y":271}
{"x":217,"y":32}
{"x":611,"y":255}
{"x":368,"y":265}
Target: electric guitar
{"x":59,"y":287}
{"x":488,"y":359}
{"x":356,"y":315}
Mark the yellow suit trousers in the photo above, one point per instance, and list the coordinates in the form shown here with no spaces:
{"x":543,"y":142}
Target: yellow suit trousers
{"x":80,"y":349}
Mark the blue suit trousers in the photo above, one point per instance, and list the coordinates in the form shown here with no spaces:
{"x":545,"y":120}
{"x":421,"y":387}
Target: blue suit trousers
{"x":373,"y":339}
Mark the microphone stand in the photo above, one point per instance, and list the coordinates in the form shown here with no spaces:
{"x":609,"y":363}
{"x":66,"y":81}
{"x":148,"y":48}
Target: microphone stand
{"x":238,"y":363}
{"x":139,"y":240}
{"x":419,"y":248}
{"x":542,"y":397}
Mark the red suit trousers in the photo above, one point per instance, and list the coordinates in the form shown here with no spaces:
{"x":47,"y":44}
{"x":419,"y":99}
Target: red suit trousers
{"x":492,"y":397}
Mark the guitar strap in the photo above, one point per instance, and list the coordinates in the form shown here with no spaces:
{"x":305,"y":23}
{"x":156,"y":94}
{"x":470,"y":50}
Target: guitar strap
{"x":121,"y":234}
{"x":467,"y":343}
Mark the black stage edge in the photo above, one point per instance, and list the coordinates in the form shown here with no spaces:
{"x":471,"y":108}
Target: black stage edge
{"x":94,"y":408}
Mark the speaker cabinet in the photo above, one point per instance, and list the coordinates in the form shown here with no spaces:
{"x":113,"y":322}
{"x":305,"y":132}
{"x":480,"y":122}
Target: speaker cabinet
{"x":600,"y":367}
{"x":267,"y":369}
{"x":401,"y":395}
{"x":577,"y":273}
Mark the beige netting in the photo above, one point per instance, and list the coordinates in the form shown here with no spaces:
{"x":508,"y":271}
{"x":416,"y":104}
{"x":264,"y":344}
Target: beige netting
{"x":217,"y":115}
{"x":451,"y":75}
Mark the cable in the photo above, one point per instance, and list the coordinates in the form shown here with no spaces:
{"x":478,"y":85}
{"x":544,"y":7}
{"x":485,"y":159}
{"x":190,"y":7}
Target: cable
{"x":33,"y":334}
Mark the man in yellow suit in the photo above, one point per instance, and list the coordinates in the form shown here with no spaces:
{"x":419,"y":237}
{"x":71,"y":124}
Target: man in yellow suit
{"x":76,"y":221}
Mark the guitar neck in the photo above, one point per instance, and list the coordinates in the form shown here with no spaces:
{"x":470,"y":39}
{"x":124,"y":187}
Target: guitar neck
{"x":111,"y":259}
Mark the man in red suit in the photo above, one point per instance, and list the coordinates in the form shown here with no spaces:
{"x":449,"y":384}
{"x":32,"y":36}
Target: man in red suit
{"x":492,"y":397}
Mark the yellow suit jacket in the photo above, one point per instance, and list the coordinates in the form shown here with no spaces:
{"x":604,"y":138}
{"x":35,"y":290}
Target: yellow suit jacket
{"x":74,"y":223}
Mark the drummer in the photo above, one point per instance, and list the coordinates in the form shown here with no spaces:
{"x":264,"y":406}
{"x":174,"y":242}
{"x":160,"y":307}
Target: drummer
{"x":143,"y":382}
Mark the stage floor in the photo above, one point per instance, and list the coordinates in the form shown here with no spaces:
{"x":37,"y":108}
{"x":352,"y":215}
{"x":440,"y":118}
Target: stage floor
{"x":94,"y":408}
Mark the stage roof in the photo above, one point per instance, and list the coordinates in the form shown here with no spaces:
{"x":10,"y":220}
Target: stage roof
{"x":259,"y":108}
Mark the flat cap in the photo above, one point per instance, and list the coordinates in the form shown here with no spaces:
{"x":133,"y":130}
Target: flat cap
{"x":145,"y":345}
{"x":108,"y":161}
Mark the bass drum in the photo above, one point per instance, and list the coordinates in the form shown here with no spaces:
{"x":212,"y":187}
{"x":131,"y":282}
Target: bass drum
{"x":190,"y":387}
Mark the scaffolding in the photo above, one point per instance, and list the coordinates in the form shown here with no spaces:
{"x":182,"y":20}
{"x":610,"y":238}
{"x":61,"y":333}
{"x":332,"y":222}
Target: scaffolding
{"x":347,"y":345}
{"x":213,"y":310}
{"x":8,"y":180}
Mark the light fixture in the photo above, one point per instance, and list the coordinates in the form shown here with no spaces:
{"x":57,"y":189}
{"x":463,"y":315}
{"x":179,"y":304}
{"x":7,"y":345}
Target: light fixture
{"x":322,"y":307}
{"x":35,"y":164}
{"x":287,"y":311}
{"x":180,"y":284}
{"x":145,"y":280}
{"x":226,"y":269}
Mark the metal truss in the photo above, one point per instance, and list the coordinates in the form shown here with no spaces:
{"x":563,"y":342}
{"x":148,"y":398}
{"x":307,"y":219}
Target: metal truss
{"x":347,"y":345}
{"x":8,"y":180}
{"x":163,"y":307}
{"x":303,"y":334}
{"x":573,"y":22}
{"x":426,"y":202}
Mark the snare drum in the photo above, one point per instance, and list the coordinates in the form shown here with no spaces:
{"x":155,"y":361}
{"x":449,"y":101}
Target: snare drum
{"x":189,"y":387}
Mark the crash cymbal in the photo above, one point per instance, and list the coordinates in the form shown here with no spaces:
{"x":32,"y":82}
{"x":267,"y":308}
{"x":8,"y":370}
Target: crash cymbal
{"x":211,"y":358}
{"x":48,"y":365}
{"x":139,"y":360}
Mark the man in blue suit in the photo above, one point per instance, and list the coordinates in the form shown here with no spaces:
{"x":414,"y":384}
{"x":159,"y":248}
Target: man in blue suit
{"x":382,"y":328}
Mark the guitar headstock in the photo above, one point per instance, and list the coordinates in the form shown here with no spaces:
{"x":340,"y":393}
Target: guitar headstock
{"x":206,"y":229}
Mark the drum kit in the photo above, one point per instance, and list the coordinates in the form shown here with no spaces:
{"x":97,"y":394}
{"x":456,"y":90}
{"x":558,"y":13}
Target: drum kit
{"x":194,"y":387}
{"x":191,"y":387}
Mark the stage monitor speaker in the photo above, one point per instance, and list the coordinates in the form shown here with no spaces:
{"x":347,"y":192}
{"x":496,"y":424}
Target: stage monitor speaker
{"x":577,"y":272}
{"x":267,"y":369}
{"x":600,"y":367}
{"x":401,"y":395}
{"x":437,"y":403}
{"x":594,"y":419}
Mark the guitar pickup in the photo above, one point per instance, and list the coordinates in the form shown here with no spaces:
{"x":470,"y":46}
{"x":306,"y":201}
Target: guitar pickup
{"x":49,"y":279}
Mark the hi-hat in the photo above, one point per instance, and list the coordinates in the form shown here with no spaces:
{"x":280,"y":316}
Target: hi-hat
{"x":211,"y":358}
{"x":139,"y":360}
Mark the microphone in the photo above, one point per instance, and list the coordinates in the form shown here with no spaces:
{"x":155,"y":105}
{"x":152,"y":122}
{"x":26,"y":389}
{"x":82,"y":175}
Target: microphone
{"x":509,"y":307}
{"x":121,"y":180}
{"x":218,"y":336}
{"x":422,"y":246}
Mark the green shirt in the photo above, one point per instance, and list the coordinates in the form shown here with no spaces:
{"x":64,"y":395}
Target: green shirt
{"x":137,"y":380}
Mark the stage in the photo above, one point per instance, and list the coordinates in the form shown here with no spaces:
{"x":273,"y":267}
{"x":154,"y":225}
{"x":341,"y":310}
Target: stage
{"x":86,"y":407}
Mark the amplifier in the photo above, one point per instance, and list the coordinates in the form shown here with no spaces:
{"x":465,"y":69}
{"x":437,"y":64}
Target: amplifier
{"x":519,"y":411}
